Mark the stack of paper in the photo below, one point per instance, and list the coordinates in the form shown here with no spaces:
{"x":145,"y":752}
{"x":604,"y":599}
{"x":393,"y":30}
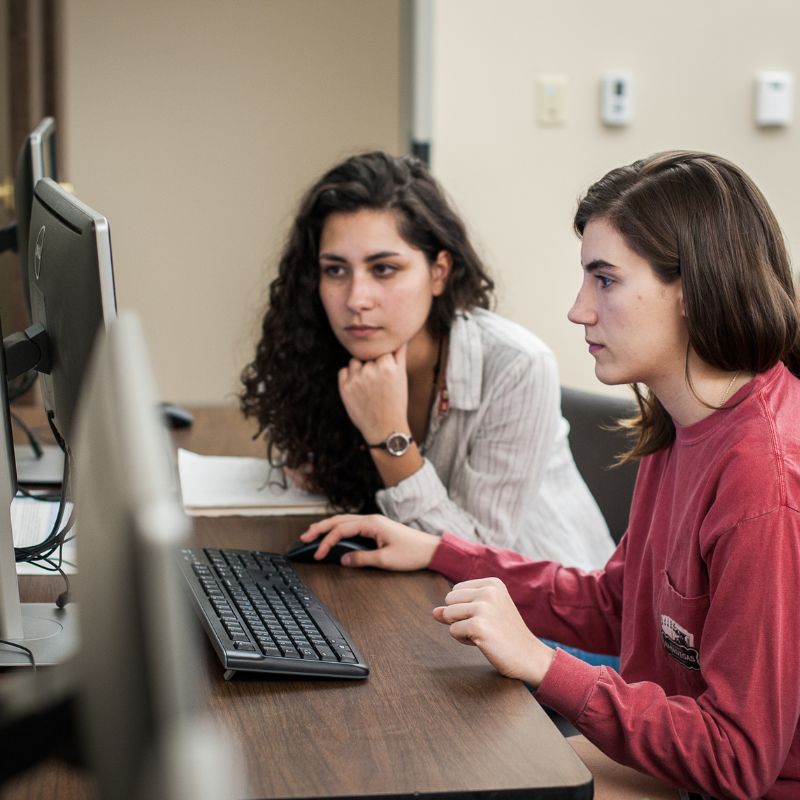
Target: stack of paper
{"x":227,"y":485}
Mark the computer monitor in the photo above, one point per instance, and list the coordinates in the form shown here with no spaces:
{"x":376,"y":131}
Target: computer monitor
{"x":146,"y":731}
{"x":42,"y":465}
{"x":71,"y":281}
{"x":72,"y":297}
{"x":37,"y":160}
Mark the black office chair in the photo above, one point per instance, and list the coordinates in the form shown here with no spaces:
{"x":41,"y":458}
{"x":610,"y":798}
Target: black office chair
{"x":595,"y":449}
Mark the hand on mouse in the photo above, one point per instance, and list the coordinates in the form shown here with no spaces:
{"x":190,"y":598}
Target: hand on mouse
{"x":481,"y":612}
{"x":399,"y":548}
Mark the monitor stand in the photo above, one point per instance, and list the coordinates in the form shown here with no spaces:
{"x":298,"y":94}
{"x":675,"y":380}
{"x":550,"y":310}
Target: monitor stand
{"x":45,"y":471}
{"x":49,"y":632}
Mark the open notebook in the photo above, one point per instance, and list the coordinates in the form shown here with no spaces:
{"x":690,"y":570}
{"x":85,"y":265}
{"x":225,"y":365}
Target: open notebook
{"x":228,"y":485}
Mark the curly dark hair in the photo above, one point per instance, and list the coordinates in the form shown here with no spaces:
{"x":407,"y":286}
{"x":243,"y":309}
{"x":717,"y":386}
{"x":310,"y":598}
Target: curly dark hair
{"x":290,"y":387}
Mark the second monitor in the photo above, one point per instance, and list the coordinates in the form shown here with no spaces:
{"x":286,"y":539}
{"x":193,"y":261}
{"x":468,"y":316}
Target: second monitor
{"x":71,"y":283}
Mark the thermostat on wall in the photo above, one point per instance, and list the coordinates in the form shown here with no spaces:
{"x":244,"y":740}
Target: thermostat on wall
{"x":616,"y":101}
{"x":774,"y":98}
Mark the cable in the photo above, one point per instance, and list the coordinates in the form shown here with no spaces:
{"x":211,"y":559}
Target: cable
{"x":31,"y":436}
{"x":27,"y":650}
{"x":44,"y":548}
{"x":57,"y":535}
{"x":41,"y":554}
{"x":44,"y":498}
{"x":21,"y":384}
{"x":64,"y":597}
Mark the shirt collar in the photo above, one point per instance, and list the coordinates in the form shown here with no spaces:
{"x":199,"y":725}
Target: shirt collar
{"x":737,"y":404}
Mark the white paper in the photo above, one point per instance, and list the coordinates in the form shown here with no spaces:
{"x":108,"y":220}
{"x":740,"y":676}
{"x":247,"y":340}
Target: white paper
{"x":31,"y":522}
{"x":219,"y":485}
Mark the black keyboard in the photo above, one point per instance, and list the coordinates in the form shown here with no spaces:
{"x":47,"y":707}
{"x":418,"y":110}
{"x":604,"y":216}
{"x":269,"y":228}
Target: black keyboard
{"x":261,"y":617}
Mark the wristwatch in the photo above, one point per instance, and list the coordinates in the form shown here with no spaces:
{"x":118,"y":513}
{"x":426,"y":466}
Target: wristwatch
{"x":395,"y":444}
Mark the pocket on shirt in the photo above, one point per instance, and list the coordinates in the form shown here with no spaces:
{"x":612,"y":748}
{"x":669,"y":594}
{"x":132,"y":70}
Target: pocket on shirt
{"x":681,"y":620}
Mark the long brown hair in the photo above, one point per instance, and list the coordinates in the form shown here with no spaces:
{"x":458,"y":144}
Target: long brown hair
{"x":700,"y":219}
{"x":290,"y":386}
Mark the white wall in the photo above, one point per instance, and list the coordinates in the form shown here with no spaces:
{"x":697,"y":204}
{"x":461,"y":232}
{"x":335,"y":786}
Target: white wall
{"x":517,"y":183}
{"x":194,"y":125}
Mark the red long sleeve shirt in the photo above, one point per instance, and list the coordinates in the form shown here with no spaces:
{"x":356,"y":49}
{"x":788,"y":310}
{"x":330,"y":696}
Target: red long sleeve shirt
{"x":701,"y":599}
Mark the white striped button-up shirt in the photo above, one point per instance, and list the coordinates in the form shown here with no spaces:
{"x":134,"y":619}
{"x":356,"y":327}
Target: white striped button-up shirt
{"x":497,"y":466}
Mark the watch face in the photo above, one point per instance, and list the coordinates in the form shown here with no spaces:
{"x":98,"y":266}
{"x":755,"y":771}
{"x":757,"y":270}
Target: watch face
{"x":398,"y":443}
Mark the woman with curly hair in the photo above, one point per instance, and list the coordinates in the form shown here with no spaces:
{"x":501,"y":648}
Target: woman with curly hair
{"x":383,"y":381}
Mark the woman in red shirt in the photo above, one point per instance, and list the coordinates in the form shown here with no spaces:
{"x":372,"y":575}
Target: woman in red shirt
{"x":688,"y":296}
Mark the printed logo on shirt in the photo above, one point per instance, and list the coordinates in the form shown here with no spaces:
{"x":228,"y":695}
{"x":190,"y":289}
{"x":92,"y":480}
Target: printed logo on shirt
{"x":679,"y":643}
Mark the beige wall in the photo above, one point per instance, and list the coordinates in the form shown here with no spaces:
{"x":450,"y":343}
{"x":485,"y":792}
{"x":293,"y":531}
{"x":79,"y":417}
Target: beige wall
{"x":517,"y":183}
{"x":193,"y":125}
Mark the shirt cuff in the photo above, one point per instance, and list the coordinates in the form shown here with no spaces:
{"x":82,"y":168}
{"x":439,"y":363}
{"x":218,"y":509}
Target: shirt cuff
{"x":568,"y":685}
{"x":413,"y":497}
{"x":456,"y":559}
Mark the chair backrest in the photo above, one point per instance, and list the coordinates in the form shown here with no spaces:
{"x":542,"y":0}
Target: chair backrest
{"x":595,"y":449}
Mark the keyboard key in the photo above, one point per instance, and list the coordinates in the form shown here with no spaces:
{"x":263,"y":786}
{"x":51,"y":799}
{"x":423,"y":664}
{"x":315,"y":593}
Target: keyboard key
{"x":288,"y":651}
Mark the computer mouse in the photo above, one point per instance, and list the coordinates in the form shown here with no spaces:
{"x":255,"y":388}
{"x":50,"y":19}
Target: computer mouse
{"x":176,"y":416}
{"x":304,"y":551}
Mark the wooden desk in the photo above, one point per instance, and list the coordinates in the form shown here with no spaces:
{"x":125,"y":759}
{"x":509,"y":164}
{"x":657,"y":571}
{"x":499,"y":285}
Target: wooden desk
{"x":432,"y":718}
